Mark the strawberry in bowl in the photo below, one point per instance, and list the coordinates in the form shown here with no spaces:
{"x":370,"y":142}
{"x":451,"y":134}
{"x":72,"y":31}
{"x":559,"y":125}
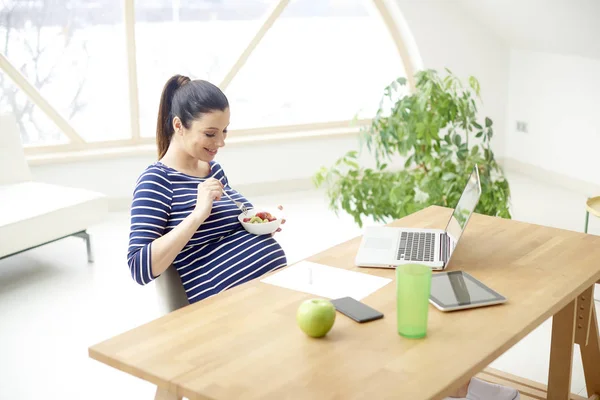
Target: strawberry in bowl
{"x":260,"y":217}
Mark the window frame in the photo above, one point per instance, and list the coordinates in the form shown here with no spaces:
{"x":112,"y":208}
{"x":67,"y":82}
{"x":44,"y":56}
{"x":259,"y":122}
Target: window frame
{"x":78,"y":147}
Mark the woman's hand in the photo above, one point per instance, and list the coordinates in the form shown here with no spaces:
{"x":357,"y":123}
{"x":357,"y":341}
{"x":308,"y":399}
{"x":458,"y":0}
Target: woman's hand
{"x":208,"y":191}
{"x":282,"y":222}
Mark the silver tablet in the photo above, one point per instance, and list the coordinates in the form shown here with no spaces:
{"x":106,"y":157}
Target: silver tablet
{"x":457,"y":290}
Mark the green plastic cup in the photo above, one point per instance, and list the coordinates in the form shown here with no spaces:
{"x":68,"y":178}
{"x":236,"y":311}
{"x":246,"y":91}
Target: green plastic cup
{"x":413,"y":286}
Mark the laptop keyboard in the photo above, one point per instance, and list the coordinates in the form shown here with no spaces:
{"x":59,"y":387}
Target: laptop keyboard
{"x":416,"y":246}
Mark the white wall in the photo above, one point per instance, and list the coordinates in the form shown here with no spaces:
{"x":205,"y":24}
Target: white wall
{"x":448,"y":36}
{"x":559,"y":98}
{"x":568,"y":27}
{"x":246,"y":165}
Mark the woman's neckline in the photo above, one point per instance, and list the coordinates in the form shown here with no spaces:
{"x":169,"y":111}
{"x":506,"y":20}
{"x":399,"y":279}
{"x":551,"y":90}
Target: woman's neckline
{"x":210,"y":164}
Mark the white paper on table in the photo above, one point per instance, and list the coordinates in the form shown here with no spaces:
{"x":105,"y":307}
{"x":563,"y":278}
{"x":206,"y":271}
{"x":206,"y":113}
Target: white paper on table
{"x":325,"y":281}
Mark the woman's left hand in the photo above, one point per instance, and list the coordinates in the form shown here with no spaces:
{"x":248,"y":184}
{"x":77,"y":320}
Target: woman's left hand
{"x":282,"y":222}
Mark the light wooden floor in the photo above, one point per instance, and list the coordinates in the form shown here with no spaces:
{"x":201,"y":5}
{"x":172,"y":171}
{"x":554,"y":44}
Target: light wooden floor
{"x":53,"y":305}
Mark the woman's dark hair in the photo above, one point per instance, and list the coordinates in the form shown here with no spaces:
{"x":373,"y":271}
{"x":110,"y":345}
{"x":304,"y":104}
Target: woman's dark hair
{"x":188,"y":100}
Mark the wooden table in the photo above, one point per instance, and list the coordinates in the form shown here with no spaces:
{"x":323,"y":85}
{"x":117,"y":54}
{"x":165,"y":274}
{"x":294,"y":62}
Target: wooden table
{"x":244,"y":343}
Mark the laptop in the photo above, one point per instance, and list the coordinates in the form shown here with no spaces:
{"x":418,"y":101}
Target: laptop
{"x":388,"y":247}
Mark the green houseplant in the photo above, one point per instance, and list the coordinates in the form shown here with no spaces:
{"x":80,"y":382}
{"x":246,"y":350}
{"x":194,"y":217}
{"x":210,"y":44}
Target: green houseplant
{"x":436,"y":133}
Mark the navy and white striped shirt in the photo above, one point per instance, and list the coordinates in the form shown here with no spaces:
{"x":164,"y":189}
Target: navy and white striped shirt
{"x":220,"y":254}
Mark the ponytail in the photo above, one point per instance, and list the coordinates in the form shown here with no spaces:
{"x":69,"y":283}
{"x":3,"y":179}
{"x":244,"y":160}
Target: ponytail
{"x":164,"y":125}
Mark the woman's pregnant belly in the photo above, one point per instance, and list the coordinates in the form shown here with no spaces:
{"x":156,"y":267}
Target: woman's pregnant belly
{"x":235,"y":259}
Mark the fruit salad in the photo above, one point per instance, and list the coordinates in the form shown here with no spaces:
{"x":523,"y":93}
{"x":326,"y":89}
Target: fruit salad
{"x":260,"y":218}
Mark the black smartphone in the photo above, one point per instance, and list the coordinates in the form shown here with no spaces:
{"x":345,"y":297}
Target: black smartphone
{"x":356,"y":310}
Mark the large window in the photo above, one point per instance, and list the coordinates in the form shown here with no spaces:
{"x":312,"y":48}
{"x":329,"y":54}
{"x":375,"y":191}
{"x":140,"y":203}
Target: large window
{"x":100,"y":65}
{"x":35,"y":127}
{"x":320,"y":62}
{"x":73,"y":53}
{"x":199,"y":39}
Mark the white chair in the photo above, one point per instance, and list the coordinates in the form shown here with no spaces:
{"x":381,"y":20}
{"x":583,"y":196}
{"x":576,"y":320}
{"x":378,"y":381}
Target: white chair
{"x":171,"y":296}
{"x":35,"y":213}
{"x":170,"y":292}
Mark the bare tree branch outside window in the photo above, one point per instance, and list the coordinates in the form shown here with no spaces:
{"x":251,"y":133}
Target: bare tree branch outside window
{"x":35,"y":35}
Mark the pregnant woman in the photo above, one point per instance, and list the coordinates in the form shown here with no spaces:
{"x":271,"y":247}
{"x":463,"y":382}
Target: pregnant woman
{"x":179,"y":215}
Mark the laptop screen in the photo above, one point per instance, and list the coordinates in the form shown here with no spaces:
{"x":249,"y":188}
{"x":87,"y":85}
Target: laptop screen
{"x":465,"y":207}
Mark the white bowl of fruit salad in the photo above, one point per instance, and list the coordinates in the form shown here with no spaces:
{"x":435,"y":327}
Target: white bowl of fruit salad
{"x":261,"y":222}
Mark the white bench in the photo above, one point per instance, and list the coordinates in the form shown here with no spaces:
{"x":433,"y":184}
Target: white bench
{"x":35,"y":213}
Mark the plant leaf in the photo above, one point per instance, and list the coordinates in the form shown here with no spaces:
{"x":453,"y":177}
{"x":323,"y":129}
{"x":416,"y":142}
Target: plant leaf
{"x":457,"y":139}
{"x":448,"y":176}
{"x":474,"y":84}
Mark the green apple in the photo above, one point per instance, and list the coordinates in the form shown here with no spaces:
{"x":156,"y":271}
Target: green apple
{"x":316,"y":317}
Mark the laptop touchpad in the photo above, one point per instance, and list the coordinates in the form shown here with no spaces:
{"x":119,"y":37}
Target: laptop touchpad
{"x":379,"y":243}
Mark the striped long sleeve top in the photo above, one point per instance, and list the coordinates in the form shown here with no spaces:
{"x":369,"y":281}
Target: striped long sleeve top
{"x":220,"y":254}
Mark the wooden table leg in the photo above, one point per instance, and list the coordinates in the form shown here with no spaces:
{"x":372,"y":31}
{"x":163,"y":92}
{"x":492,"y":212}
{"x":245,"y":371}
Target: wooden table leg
{"x":561,"y":353}
{"x":575,"y":323}
{"x":590,"y":351}
{"x":162,"y":394}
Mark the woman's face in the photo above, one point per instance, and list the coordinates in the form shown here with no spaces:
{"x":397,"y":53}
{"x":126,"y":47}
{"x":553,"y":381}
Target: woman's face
{"x":205,"y":136}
